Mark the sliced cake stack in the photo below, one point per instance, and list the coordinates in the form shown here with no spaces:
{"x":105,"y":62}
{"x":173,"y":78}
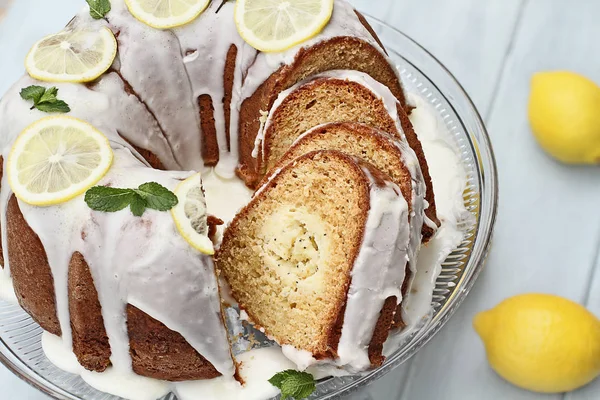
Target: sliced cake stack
{"x":323,"y":255}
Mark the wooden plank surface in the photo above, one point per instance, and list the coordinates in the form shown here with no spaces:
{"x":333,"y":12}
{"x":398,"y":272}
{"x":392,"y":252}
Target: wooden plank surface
{"x":547,"y":232}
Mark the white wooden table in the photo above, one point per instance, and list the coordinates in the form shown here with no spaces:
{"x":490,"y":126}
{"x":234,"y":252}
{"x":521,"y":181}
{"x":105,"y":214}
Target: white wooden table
{"x":548,"y":233}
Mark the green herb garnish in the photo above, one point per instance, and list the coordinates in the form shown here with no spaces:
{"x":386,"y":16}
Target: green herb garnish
{"x":98,"y":8}
{"x":149,"y":195}
{"x":292,"y":383}
{"x":44,"y":99}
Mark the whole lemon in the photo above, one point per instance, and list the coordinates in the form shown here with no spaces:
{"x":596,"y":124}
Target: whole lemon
{"x":564,"y":113}
{"x":541,"y":343}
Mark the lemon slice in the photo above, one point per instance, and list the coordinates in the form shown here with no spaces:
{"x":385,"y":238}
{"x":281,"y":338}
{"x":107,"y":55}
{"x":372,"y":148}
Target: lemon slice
{"x":166,"y":14}
{"x":277,"y":25}
{"x":57,"y":159}
{"x":72,"y":56}
{"x":190,"y":215}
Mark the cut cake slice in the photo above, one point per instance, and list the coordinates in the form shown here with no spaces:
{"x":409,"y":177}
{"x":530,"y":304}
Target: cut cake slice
{"x":317,"y":259}
{"x":382,"y":151}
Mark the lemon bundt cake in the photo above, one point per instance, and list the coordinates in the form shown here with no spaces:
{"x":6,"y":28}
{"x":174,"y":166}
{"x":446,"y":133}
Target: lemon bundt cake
{"x":317,"y":258}
{"x":129,"y":290}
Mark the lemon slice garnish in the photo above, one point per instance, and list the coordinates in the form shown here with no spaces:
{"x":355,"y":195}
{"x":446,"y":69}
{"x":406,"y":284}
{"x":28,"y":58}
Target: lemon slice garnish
{"x":56,"y":159}
{"x":190,"y":215}
{"x":166,"y":14}
{"x":72,"y":56}
{"x":277,"y":25}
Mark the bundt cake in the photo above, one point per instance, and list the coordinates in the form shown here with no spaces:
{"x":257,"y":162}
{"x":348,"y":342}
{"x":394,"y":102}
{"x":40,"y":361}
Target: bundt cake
{"x":320,"y":131}
{"x":317,"y":258}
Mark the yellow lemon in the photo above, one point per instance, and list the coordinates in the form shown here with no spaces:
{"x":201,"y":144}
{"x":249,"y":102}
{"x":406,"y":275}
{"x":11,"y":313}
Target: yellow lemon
{"x":56,"y":159}
{"x":190,"y":215}
{"x":541,"y":343}
{"x":564,"y":113}
{"x":277,"y":25}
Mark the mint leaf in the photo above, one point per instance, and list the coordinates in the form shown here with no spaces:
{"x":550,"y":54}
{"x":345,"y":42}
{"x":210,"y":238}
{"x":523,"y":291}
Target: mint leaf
{"x":148,"y":195}
{"x":138,"y":205}
{"x":33,"y":93}
{"x":49,"y":95}
{"x":56,"y":106}
{"x":296,"y":384}
{"x":108,"y":199}
{"x":99,"y":8}
{"x":157,"y":197}
{"x":44,"y":99}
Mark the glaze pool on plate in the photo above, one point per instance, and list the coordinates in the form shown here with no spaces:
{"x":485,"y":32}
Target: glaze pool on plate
{"x":20,"y":346}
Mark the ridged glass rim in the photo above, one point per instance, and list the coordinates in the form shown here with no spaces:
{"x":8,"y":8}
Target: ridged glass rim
{"x":455,"y":97}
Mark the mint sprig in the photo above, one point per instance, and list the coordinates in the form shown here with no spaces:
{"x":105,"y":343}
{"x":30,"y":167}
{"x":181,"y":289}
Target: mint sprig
{"x":99,"y":8}
{"x":295,"y":384}
{"x":148,"y":195}
{"x":44,"y":99}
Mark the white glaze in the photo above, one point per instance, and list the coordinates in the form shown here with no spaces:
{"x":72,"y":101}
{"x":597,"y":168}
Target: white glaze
{"x":7,"y":292}
{"x":224,"y":197}
{"x":450,"y":181}
{"x":152,"y":62}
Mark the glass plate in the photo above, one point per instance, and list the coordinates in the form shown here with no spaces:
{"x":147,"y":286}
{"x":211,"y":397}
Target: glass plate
{"x":20,"y":337}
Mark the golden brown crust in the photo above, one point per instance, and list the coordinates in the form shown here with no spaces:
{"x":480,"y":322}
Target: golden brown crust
{"x":160,"y":353}
{"x":90,"y":342}
{"x":228,"y":80}
{"x":210,"y":144}
{"x":32,"y":276}
{"x":382,"y":330}
{"x":249,"y":125}
{"x":342,"y":52}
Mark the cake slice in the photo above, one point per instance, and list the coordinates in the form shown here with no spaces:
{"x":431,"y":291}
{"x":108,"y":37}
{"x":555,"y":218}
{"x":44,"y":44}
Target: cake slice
{"x":317,"y":259}
{"x":382,"y":151}
{"x":342,"y":96}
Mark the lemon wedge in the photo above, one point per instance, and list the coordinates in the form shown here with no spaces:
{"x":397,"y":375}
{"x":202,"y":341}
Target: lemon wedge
{"x":57,"y":159}
{"x":190,"y":215}
{"x":166,"y":14}
{"x":277,"y":25}
{"x":72,"y":56}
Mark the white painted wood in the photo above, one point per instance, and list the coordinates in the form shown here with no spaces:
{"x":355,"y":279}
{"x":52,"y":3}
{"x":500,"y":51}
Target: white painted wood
{"x":547,"y":231}
{"x":470,"y":37}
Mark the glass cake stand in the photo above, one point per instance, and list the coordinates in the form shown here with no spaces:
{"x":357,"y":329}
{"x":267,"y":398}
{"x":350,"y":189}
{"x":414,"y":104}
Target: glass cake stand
{"x":20,"y":337}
